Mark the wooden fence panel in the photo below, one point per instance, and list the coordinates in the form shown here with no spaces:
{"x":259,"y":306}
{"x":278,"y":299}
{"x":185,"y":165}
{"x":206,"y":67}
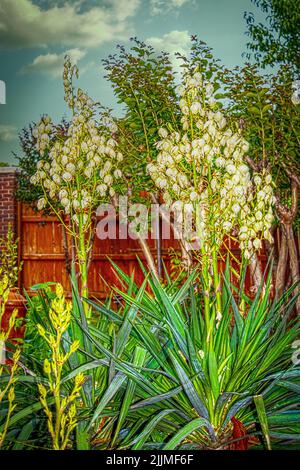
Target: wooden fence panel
{"x":43,"y":257}
{"x":42,"y":253}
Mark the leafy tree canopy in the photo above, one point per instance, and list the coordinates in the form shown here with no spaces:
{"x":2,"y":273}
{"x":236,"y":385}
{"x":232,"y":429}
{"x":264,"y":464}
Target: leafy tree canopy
{"x":278,"y":39}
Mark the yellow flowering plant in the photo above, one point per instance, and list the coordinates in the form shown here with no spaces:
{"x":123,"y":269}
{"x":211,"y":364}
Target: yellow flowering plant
{"x":7,"y":389}
{"x":9,"y":272}
{"x":9,"y":257}
{"x":62,"y":419}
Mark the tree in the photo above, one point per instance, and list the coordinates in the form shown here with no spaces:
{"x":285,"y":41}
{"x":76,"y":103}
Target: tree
{"x":278,"y":40}
{"x":144,"y":83}
{"x":27,"y":161}
{"x":270,"y":121}
{"x":28,"y":192}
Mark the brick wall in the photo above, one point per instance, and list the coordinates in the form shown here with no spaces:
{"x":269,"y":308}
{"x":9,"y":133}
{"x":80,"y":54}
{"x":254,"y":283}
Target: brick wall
{"x":8,"y":206}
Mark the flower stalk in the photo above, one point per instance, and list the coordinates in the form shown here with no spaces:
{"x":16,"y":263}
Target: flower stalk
{"x":63,"y":420}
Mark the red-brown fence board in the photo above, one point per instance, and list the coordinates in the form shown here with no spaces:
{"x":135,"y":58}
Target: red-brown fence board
{"x":43,"y":257}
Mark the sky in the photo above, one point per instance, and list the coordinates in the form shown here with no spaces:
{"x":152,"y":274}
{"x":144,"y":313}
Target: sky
{"x":35,"y":35}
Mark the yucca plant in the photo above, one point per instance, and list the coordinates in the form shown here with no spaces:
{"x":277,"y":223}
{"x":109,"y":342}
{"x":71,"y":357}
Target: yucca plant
{"x":183,"y":384}
{"x":153,"y":378}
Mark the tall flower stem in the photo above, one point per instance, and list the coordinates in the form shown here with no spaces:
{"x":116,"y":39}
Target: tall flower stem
{"x":207,"y":284}
{"x":83,"y":260}
{"x":62,"y":419}
{"x":217,"y":284}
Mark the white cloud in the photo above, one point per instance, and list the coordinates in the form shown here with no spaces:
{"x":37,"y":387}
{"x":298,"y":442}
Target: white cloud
{"x":52,"y":64}
{"x":158,"y":7}
{"x":8,"y":133}
{"x":172,"y":42}
{"x":25,"y":24}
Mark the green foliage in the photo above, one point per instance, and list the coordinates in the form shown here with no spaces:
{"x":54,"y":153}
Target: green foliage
{"x":37,"y":313}
{"x":173,"y":365}
{"x":144,"y":83}
{"x":202,"y":59}
{"x":269,"y":120}
{"x":276,"y":40}
{"x":153,"y":380}
{"x":176,"y":376}
{"x":263,"y":419}
{"x":28,"y":427}
{"x":27,"y":162}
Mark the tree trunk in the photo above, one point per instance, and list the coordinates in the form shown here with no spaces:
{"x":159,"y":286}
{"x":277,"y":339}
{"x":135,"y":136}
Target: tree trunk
{"x":287,"y":216}
{"x":256,"y":274}
{"x":185,"y":254}
{"x":294,"y":265}
{"x":187,"y":261}
{"x":149,"y":258}
{"x":144,"y":247}
{"x":282,"y":263}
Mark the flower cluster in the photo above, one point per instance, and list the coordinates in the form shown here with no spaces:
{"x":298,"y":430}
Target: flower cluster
{"x":43,"y":133}
{"x":82,"y":167}
{"x":256,"y":216}
{"x":204,"y":165}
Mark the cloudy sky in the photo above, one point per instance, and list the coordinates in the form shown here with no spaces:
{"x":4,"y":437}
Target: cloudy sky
{"x":36,"y":34}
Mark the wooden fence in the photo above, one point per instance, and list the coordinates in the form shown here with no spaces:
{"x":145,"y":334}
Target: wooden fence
{"x":42,"y":253}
